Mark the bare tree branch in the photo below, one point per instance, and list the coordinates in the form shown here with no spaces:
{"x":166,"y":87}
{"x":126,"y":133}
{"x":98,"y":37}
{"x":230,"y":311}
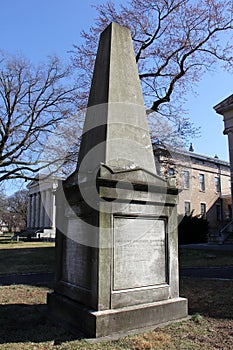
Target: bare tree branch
{"x":175,"y":43}
{"x":32,"y":103}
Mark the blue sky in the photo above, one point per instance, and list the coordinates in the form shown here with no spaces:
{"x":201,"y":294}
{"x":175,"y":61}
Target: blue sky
{"x":211,"y":90}
{"x":37,"y":28}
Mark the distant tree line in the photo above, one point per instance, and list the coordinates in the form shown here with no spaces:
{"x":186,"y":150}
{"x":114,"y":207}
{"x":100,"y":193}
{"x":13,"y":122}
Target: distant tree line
{"x":13,"y":210}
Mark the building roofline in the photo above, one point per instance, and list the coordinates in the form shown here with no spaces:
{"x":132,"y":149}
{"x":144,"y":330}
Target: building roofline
{"x":193,"y":155}
{"x":224,"y":105}
{"x":39,"y":178}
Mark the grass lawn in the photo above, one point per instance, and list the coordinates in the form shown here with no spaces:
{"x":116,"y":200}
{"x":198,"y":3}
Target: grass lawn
{"x":24,"y":257}
{"x":205,"y":258}
{"x":24,"y":327}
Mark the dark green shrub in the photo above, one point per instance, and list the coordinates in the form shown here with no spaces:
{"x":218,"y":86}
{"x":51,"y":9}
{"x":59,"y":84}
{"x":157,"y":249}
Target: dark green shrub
{"x":193,"y":229}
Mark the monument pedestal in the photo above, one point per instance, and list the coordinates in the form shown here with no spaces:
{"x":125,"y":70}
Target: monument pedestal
{"x":96,"y":324}
{"x":118,"y":267}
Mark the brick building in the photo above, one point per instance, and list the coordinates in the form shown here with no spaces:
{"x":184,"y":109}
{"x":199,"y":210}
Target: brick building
{"x":204,"y":183}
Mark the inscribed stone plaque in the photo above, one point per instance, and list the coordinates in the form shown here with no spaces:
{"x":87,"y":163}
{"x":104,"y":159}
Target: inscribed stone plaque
{"x":139,"y":257}
{"x":76,"y":256}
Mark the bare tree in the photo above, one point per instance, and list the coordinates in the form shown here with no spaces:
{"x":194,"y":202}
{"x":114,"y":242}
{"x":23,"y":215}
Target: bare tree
{"x":175,"y":41}
{"x":17,"y":205}
{"x":13,"y":210}
{"x":33,"y":101}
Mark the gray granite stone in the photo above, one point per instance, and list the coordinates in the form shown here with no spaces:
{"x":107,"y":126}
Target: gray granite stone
{"x":116,"y":246}
{"x":116,"y":125}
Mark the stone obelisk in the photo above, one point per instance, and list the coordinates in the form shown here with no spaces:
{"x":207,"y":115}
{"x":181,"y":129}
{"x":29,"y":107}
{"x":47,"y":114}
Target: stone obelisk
{"x":116,"y":248}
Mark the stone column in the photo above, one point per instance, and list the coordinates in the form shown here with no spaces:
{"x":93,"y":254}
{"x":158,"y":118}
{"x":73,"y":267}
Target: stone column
{"x":37,"y":209}
{"x":50,"y":207}
{"x":33,"y":211}
{"x":47,"y":208}
{"x":42,"y":211}
{"x":225,"y":108}
{"x":29,"y":211}
{"x":53,"y":210}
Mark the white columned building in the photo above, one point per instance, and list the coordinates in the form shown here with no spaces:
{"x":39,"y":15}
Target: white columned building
{"x":41,"y":207}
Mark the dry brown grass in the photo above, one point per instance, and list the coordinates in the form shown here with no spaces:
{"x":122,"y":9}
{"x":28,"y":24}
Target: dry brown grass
{"x":24,"y":327}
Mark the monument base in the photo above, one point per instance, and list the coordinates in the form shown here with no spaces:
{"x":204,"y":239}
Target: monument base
{"x":96,"y":324}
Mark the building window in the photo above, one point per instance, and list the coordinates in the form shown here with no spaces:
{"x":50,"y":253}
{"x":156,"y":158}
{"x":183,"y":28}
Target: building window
{"x":187,"y":208}
{"x":203,"y":210}
{"x":171,"y":171}
{"x":202,"y":182}
{"x":217,"y":184}
{"x":186,"y":179}
{"x":218,"y":212}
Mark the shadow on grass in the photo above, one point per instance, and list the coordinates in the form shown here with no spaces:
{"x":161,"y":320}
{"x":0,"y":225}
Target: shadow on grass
{"x":21,"y":323}
{"x":36,"y":279}
{"x":27,"y":259}
{"x":211,"y":298}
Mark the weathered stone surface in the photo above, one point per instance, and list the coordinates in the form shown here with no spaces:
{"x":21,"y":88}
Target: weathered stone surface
{"x":139,"y":252}
{"x":115,"y":109}
{"x":97,"y":324}
{"x":117,"y":249}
